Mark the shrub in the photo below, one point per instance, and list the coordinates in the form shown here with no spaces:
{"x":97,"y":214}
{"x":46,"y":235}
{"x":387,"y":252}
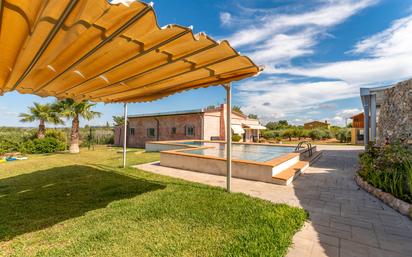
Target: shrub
{"x":236,"y":138}
{"x":271,"y":134}
{"x":57,"y":134}
{"x":315,"y":134}
{"x":388,"y":168}
{"x":289,"y":133}
{"x":45,"y":145}
{"x":343,"y":135}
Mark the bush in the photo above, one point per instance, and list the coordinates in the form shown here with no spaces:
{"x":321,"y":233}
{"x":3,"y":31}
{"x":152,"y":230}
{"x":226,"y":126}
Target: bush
{"x":343,"y":135}
{"x":236,"y":138}
{"x":388,"y":168}
{"x":57,"y":134}
{"x":271,"y":134}
{"x":45,"y":145}
{"x":315,"y":134}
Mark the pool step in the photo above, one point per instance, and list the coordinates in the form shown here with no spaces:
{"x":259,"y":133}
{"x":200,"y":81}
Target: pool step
{"x":288,"y":175}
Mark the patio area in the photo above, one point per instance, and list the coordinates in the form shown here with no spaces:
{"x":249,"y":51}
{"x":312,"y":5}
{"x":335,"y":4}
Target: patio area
{"x":344,"y":219}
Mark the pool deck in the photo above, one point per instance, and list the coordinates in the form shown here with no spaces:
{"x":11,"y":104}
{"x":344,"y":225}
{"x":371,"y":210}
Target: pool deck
{"x":344,"y":220}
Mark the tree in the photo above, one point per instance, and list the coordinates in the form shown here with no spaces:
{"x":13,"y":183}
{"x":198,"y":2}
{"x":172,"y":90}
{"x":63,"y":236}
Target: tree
{"x":289,"y":133}
{"x":252,"y":116}
{"x":211,"y":107}
{"x":74,"y":110}
{"x":118,"y":120}
{"x":271,"y":125}
{"x":283,"y":123}
{"x":344,"y":135}
{"x":236,"y":108}
{"x":43,"y":113}
{"x":277,"y":125}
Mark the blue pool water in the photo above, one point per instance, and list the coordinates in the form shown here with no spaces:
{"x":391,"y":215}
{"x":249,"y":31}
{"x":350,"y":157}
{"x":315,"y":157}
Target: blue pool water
{"x":258,"y":153}
{"x":196,"y":143}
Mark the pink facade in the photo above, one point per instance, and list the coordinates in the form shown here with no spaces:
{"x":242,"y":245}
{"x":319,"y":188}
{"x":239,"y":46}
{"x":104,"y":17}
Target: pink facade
{"x":188,"y":125}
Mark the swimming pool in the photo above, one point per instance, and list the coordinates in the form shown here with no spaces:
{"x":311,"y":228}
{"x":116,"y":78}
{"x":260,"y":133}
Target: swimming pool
{"x":258,"y":153}
{"x":278,"y":164}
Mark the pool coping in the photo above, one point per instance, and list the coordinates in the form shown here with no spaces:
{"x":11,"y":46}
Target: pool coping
{"x":271,"y":163}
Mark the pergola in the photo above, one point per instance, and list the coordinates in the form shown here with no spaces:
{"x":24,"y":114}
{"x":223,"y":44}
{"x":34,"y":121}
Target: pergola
{"x":112,"y":53}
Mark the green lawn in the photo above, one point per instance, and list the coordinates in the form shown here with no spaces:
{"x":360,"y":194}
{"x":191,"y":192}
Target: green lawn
{"x":85,"y":205}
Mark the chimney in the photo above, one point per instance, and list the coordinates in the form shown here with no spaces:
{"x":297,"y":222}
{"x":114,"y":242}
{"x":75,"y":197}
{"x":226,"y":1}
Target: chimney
{"x":326,"y":121}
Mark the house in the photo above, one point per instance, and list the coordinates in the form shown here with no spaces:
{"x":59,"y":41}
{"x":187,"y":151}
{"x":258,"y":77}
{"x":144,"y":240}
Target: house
{"x":317,"y":125}
{"x":357,"y":130}
{"x":200,"y":124}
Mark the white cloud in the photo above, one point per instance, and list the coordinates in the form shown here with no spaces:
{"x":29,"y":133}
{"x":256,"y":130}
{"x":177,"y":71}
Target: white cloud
{"x":271,"y":38}
{"x":5,"y":112}
{"x":388,"y":59}
{"x":225,"y":19}
{"x":272,"y":100}
{"x":342,"y":117}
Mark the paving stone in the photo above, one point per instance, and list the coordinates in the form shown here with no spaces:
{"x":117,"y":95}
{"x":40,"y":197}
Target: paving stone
{"x":340,"y":226}
{"x":364,"y":236}
{"x":344,"y":220}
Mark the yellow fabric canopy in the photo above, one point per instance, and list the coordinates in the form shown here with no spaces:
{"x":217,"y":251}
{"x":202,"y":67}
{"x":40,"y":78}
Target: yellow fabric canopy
{"x":91,"y":49}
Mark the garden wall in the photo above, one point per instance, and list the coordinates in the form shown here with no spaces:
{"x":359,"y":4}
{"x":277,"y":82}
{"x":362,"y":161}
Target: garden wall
{"x":395,"y":118}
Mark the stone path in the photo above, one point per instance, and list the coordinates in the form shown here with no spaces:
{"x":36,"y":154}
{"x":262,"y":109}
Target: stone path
{"x":344,"y":219}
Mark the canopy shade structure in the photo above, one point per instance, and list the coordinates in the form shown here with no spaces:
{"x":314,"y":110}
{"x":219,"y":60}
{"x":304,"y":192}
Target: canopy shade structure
{"x":259,"y":127}
{"x":237,"y":129}
{"x":94,"y":50}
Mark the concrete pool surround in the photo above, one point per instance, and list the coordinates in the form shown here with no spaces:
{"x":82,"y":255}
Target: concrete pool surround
{"x":278,"y":170}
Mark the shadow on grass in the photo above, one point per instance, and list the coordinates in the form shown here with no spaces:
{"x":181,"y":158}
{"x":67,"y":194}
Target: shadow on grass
{"x":38,"y":200}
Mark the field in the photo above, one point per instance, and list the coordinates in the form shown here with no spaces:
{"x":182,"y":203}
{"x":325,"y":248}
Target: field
{"x":85,"y":205}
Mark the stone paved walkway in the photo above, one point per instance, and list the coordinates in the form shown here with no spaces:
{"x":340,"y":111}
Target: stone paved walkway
{"x":344,"y":220}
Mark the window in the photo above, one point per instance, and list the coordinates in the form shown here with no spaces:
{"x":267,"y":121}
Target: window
{"x":173,"y":132}
{"x":131,"y":131}
{"x":151,"y":132}
{"x":190,"y":130}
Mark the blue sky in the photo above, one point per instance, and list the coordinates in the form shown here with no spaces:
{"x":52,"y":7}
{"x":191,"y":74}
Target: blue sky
{"x":317,"y":54}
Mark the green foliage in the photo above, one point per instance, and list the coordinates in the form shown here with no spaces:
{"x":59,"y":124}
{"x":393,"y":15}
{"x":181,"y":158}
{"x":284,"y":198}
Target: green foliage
{"x":71,"y":109}
{"x":45,"y":145}
{"x":57,"y":134}
{"x":315,"y":134}
{"x":277,"y":125}
{"x":85,"y":205}
{"x":388,"y":168}
{"x":289,"y":133}
{"x":236,"y":138}
{"x":343,"y":135}
{"x":252,"y":116}
{"x":271,"y":134}
{"x":42,"y":112}
{"x":237,"y":108}
{"x":118,"y":120}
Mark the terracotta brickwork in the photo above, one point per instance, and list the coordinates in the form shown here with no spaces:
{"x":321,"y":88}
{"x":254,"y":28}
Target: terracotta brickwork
{"x":165,"y":128}
{"x":206,"y":125}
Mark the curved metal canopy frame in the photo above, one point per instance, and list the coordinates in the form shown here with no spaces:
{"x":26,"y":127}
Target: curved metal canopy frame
{"x":91,"y":49}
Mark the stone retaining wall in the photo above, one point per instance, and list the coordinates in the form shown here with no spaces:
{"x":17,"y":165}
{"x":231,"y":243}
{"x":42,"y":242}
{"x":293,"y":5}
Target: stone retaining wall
{"x":397,"y":204}
{"x":395,"y":117}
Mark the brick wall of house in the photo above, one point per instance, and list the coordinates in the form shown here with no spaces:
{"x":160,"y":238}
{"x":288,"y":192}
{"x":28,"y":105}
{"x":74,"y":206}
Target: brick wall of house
{"x":163,"y":129}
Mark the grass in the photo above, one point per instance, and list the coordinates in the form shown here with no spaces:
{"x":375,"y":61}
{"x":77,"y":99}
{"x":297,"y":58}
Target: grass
{"x":85,"y":205}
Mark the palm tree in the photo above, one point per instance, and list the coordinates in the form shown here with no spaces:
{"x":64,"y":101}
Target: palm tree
{"x":44,"y":113}
{"x":74,"y":110}
{"x":236,"y":108}
{"x":118,"y":120}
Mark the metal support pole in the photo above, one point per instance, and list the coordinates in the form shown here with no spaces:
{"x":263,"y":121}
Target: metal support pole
{"x":373,"y":117}
{"x":366,"y":104}
{"x":125,"y":135}
{"x":228,"y":137}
